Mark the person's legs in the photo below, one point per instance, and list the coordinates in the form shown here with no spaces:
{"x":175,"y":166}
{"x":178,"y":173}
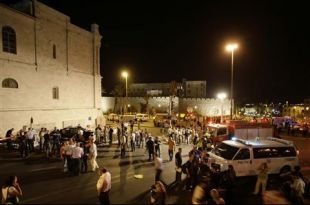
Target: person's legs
{"x":264,"y":184}
{"x":104,"y":198}
{"x":257,"y":186}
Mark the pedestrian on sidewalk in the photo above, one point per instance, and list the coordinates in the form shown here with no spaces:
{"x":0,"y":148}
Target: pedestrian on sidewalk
{"x":77,"y":153}
{"x":150,"y":148}
{"x":9,"y":136}
{"x":178,"y":166}
{"x":93,"y":155}
{"x":171,"y":148}
{"x":158,"y":167}
{"x":157,"y":146}
{"x":262,"y":178}
{"x":133,"y":141}
{"x":11,"y":191}
{"x":104,"y":186}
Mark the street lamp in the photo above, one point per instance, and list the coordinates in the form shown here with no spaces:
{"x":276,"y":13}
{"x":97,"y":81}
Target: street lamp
{"x":221,"y":96}
{"x":125,"y":75}
{"x":231,"y":48}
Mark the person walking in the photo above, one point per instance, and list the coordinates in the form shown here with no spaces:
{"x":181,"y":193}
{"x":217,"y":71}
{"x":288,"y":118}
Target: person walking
{"x":178,"y":166}
{"x":76,"y":156}
{"x":150,"y":148}
{"x":171,"y":148}
{"x":11,"y":191}
{"x":9,"y":136}
{"x":30,"y":139}
{"x":158,"y":167}
{"x":93,"y":155}
{"x":110,"y":136}
{"x":133,"y":141}
{"x":119,"y":132}
{"x":104,"y":186}
{"x":157,"y":146}
{"x":98,"y":131}
{"x":262,"y":178}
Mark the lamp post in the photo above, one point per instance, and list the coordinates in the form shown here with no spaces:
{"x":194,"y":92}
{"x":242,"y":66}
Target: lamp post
{"x":231,"y":48}
{"x":125,"y":75}
{"x":221,"y":96}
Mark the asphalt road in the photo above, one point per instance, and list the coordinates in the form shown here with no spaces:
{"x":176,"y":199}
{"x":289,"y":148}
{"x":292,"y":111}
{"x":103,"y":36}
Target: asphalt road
{"x":43,"y":181}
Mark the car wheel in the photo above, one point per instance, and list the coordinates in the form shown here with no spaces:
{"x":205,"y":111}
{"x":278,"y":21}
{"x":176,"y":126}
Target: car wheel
{"x":285,"y":169}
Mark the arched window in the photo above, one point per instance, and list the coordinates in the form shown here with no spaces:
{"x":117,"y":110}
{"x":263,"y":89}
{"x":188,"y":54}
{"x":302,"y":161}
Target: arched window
{"x":9,"y":83}
{"x":8,"y":39}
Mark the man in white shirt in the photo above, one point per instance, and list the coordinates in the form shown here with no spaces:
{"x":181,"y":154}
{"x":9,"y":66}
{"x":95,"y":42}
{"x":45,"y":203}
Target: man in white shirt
{"x":93,"y":155}
{"x":30,"y":139}
{"x":133,"y":141}
{"x":76,"y":156}
{"x":158,"y":167}
{"x":104,"y":186}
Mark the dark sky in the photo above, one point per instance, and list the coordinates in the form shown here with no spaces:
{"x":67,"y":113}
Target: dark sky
{"x":161,"y":41}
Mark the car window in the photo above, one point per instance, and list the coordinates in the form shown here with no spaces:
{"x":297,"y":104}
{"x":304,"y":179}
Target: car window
{"x":226,"y":151}
{"x":243,"y":154}
{"x":222,"y":131}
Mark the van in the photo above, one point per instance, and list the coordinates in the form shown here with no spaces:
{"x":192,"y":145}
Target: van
{"x":246,"y":156}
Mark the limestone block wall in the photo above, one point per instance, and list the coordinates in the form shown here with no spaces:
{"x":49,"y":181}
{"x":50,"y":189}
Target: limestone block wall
{"x":107,"y":104}
{"x":203,"y":106}
{"x":48,"y":118}
{"x":75,"y":70}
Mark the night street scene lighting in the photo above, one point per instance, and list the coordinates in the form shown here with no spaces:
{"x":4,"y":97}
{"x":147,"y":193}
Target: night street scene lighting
{"x":109,"y":102}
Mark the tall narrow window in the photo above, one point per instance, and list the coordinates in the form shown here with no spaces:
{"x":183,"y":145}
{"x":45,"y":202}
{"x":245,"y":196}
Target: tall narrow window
{"x":54,"y":51}
{"x":9,"y":83}
{"x":8,"y":39}
{"x":55,"y":93}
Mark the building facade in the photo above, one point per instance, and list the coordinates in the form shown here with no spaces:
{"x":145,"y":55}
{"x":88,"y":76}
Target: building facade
{"x":195,"y":89}
{"x":188,"y":89}
{"x":49,"y":69}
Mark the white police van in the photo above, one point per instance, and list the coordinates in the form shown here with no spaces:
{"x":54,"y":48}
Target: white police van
{"x":246,"y":156}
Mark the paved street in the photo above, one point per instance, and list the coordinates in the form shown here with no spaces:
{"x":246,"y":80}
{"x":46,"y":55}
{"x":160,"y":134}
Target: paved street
{"x":44,"y":182}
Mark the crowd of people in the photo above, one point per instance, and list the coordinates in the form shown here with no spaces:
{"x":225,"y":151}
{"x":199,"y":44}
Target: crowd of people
{"x":203,"y":177}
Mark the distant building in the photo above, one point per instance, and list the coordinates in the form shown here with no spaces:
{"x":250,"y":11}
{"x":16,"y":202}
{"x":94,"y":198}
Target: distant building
{"x":49,"y":69}
{"x":294,"y":110}
{"x":189,"y":89}
{"x":195,"y":89}
{"x":150,"y":89}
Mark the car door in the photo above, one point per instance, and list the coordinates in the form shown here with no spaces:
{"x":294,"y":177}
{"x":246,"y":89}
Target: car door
{"x":243,"y":162}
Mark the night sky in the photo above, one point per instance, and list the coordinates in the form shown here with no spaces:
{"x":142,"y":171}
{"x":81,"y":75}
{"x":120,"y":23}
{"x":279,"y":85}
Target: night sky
{"x":160,"y":42}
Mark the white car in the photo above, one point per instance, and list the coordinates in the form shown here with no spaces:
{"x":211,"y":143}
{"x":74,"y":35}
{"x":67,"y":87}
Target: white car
{"x":246,"y":156}
{"x":142,"y":117}
{"x":113,"y":117}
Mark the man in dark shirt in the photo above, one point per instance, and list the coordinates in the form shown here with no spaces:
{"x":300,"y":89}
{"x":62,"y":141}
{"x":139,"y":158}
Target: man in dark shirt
{"x":150,"y":148}
{"x":178,"y":165}
{"x":9,"y":135}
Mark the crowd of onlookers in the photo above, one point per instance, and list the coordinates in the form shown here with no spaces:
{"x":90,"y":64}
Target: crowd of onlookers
{"x":77,"y":148}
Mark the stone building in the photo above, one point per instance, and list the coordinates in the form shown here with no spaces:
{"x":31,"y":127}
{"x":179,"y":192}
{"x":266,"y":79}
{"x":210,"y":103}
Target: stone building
{"x":187,"y":89}
{"x":49,"y":69}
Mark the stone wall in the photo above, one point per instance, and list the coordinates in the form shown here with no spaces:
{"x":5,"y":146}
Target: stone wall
{"x":75,"y":71}
{"x":203,"y":106}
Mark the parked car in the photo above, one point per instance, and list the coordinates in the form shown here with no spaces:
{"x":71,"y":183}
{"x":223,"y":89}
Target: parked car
{"x":160,"y":119}
{"x":113,"y":117}
{"x":142,"y":117}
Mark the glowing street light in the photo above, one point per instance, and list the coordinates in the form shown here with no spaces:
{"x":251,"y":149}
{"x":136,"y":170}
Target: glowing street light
{"x":221,"y":96}
{"x":125,"y":75}
{"x":231,"y":48}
